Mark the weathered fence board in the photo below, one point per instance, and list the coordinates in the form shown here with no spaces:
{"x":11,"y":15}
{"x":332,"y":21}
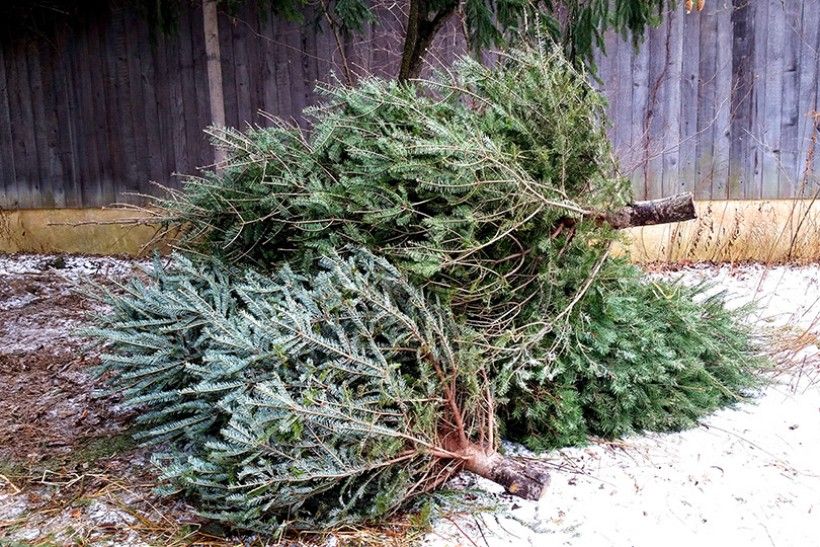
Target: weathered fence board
{"x":717,"y":102}
{"x":722,"y":102}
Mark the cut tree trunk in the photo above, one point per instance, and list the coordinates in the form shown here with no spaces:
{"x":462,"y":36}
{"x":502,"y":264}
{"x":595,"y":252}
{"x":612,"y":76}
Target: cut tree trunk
{"x":527,"y":480}
{"x":655,"y":211}
{"x":641,"y":213}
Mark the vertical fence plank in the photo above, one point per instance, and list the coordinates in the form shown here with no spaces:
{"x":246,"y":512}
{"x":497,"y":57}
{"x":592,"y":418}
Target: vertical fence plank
{"x":269,"y":90}
{"x":118,"y":124}
{"x":7,"y":157}
{"x":757,"y":128}
{"x":73,"y":191}
{"x":203,"y":151}
{"x":689,"y":103}
{"x":281,"y":78}
{"x":704,"y":84}
{"x":672,"y":182}
{"x":122,"y":134}
{"x":57,"y":131}
{"x":724,"y":71}
{"x":809,"y":57}
{"x":787,"y":180}
{"x":108,"y":183}
{"x":226,"y":52}
{"x":612,"y":92}
{"x":259,"y":65}
{"x":770,"y":122}
{"x":296,"y":79}
{"x":243,"y":79}
{"x":742,"y":102}
{"x":656,"y":108}
{"x":146,"y":75}
{"x":310,"y":57}
{"x":622,"y":114}
{"x":178,"y":134}
{"x":39,"y":78}
{"x":194,"y":136}
{"x":22,"y":126}
{"x":640,"y":121}
{"x":163,"y":109}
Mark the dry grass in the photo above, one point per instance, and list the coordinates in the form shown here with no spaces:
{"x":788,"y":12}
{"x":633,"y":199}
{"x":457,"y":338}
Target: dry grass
{"x":109,"y":502}
{"x":769,"y":232}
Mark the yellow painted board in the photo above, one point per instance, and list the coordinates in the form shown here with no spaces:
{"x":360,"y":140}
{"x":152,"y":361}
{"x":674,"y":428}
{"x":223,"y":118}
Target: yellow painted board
{"x":725,"y":231}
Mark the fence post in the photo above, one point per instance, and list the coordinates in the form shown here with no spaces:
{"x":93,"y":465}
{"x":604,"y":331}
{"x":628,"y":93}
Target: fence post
{"x":210,"y":19}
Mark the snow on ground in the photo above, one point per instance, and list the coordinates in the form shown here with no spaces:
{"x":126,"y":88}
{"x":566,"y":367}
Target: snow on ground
{"x":747,"y":476}
{"x":32,"y":285}
{"x":68,"y":267}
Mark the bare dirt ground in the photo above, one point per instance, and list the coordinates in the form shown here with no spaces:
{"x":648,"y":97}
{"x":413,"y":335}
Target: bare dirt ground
{"x":69,"y":472}
{"x":70,"y":475}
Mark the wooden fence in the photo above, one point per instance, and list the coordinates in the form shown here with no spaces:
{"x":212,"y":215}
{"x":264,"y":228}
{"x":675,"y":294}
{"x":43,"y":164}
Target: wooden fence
{"x":717,"y":102}
{"x":720,"y":104}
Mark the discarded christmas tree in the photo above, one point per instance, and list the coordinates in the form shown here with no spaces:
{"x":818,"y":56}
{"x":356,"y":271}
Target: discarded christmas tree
{"x":491,"y":200}
{"x":305,"y":403}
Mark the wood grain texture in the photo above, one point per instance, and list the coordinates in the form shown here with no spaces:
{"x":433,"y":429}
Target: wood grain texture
{"x":770,"y":115}
{"x":656,"y":108}
{"x":672,"y":182}
{"x":723,"y":100}
{"x":789,"y":107}
{"x":640,"y":121}
{"x":702,"y":145}
{"x":717,"y":102}
{"x":8,"y":185}
{"x":809,"y":65}
{"x":741,"y":157}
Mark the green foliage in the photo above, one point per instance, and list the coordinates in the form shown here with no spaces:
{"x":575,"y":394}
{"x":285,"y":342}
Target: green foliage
{"x":459,"y":182}
{"x":334,"y":385}
{"x":637,"y":356}
{"x":579,"y":25}
{"x":294,"y":402}
{"x":160,"y":353}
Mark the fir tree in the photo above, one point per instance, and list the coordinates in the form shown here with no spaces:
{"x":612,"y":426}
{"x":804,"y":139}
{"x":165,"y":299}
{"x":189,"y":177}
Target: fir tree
{"x":637,"y":355}
{"x":461,"y":183}
{"x":485,"y":293}
{"x":305,"y":402}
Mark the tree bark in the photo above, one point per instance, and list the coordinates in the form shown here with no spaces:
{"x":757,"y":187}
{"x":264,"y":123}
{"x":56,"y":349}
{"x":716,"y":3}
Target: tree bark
{"x":419,"y":35}
{"x":526,"y":480}
{"x":656,"y":211}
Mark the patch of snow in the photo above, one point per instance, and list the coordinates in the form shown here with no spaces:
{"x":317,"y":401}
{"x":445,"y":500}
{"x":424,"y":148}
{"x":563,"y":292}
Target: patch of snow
{"x":28,"y":534}
{"x":747,"y":476}
{"x":103,"y":514}
{"x":17,"y":302}
{"x":36,"y":337}
{"x":31,"y":289}
{"x":69,"y":267}
{"x":781,"y":295}
{"x":13,"y":505}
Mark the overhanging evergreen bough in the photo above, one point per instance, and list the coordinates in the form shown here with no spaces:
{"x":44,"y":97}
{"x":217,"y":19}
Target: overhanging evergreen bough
{"x":434,"y":272}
